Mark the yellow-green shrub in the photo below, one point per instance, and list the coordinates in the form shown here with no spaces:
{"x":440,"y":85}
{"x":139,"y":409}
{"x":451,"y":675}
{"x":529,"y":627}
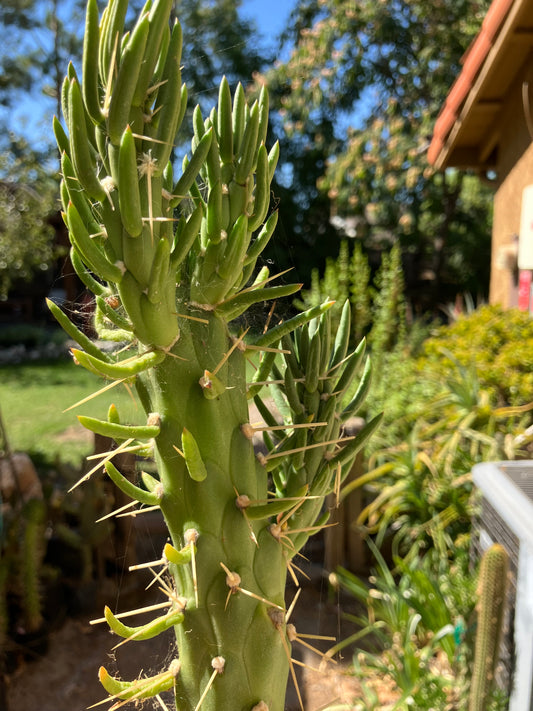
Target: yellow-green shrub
{"x":497,"y":342}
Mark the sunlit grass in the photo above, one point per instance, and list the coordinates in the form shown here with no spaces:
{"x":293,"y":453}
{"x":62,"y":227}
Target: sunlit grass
{"x":33,"y":400}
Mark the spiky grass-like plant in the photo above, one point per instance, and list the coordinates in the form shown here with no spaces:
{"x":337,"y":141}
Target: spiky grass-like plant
{"x":171,"y":262}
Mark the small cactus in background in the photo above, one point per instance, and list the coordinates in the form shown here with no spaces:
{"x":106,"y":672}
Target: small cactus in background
{"x":492,"y":588}
{"x":171,"y":261}
{"x":30,"y":563}
{"x":22,"y":548}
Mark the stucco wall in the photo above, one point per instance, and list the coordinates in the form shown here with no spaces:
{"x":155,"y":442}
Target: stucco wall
{"x":515,"y":171}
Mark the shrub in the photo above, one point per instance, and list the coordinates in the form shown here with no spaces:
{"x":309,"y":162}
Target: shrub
{"x":497,"y":343}
{"x":412,"y":628}
{"x":458,"y":398}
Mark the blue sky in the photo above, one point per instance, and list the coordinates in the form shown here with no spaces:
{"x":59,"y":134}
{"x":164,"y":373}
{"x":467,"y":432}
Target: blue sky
{"x":270,"y":16}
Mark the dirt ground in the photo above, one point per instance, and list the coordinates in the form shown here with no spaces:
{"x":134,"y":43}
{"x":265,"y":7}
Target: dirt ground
{"x":65,"y":678}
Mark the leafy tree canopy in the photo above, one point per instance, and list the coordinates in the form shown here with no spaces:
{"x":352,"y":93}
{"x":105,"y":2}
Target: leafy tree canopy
{"x":38,"y":38}
{"x":219,"y":43}
{"x":27,"y":201}
{"x":360,"y":91}
{"x":16,"y":16}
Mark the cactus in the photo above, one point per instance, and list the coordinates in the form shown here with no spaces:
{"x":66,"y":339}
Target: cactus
{"x":492,"y":587}
{"x":30,"y":564}
{"x":171,"y":262}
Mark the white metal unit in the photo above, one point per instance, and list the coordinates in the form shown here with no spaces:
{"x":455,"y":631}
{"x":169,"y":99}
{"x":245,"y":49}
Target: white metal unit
{"x":507,"y":518}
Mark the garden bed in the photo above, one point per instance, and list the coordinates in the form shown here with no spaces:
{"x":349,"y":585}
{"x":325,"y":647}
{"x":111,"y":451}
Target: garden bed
{"x":65,"y":678}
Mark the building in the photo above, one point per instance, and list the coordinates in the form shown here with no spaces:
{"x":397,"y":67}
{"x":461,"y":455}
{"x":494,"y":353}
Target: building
{"x":486,"y":124}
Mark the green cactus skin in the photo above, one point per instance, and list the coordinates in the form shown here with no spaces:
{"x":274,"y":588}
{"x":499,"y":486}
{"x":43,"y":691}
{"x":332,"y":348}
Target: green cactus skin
{"x":243,"y":633}
{"x":31,"y":563}
{"x":492,"y":588}
{"x":171,"y":263}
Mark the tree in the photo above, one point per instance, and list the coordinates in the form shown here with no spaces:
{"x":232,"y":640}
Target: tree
{"x":220,"y":43}
{"x":27,"y":200}
{"x":40,"y":36}
{"x":374,"y":75}
{"x":16,"y":62}
{"x":306,"y":236}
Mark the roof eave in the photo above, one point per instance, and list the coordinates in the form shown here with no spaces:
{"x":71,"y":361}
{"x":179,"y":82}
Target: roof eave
{"x":444,"y":151}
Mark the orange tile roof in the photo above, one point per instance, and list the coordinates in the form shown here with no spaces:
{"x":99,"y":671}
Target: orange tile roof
{"x":505,"y":20}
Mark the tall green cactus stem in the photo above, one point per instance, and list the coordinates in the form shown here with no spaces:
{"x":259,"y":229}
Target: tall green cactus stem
{"x":492,"y":588}
{"x":30,"y":563}
{"x":171,"y":262}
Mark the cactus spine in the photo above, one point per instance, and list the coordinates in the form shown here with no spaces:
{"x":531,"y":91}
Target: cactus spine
{"x":171,"y":262}
{"x":491,"y":601}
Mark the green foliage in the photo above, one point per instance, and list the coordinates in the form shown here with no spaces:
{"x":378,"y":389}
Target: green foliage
{"x":447,"y":407}
{"x":497,"y":343}
{"x":360,"y":292}
{"x":417,"y":633}
{"x":400,"y":390}
{"x":27,"y":203}
{"x":26,"y":237}
{"x":388,"y":322}
{"x":413,"y":615}
{"x":421,"y":486}
{"x":16,"y":16}
{"x":390,"y":65}
{"x":378,"y":305}
{"x":38,"y":38}
{"x":233,"y":48}
{"x":335,"y":284}
{"x":450,"y":401}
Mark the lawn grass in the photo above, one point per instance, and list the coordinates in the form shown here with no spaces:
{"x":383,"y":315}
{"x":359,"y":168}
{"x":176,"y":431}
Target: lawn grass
{"x":33,"y":400}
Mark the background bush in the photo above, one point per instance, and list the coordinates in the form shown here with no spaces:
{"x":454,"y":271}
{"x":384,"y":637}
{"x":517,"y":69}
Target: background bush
{"x":497,"y":343}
